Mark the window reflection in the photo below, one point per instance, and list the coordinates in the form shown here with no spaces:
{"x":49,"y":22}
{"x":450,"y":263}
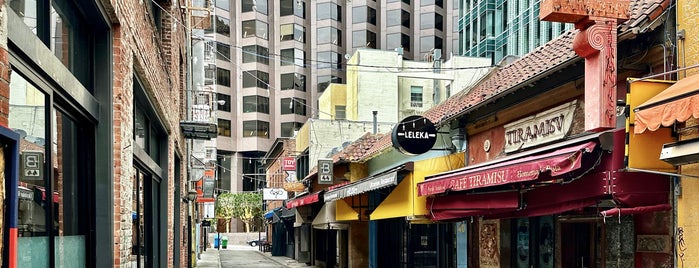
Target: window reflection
{"x":26,"y":10}
{"x":27,"y":117}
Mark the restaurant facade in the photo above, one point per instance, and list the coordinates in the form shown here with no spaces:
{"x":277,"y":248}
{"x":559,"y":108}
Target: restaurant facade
{"x":547,"y":180}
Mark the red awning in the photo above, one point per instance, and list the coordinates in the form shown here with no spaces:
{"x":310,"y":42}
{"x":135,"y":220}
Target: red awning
{"x":642,"y":191}
{"x":303,"y":200}
{"x":521,"y":169}
{"x":456,"y":206}
{"x":678,"y":103}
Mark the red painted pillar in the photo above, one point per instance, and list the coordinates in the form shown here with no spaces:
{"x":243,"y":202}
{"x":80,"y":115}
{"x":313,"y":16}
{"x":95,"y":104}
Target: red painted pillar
{"x":597,"y":43}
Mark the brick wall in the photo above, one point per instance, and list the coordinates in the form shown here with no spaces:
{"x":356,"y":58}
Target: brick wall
{"x":4,"y":68}
{"x":154,"y":57}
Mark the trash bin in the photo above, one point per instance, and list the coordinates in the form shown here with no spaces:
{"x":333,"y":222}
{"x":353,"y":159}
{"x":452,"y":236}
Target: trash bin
{"x":224,"y":242}
{"x":216,"y":242}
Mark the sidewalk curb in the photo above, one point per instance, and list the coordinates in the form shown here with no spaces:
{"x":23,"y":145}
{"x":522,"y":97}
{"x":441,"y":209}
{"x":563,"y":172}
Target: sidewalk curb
{"x":272,"y":259}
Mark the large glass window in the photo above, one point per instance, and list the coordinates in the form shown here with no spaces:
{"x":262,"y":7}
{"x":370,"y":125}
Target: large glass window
{"x":293,"y":56}
{"x":405,"y":18}
{"x":255,"y":28}
{"x":223,"y":26}
{"x":293,"y":32}
{"x":363,"y":39}
{"x":439,"y":3}
{"x":223,"y":4}
{"x":149,"y":138}
{"x":330,"y":35}
{"x":65,"y":32}
{"x":427,"y":43}
{"x":223,"y":77}
{"x":293,"y":81}
{"x":255,"y":79}
{"x":255,"y":104}
{"x":224,"y":127}
{"x":325,"y":80}
{"x":288,"y":129}
{"x":60,"y":169}
{"x":224,"y":102}
{"x":329,"y":10}
{"x":364,"y":14}
{"x":329,"y":59}
{"x":223,"y":51}
{"x":255,"y":53}
{"x":293,"y":106}
{"x":398,"y":40}
{"x":254,"y":5}
{"x":430,"y":21}
{"x":393,"y":17}
{"x":256,"y":128}
{"x":292,"y":7}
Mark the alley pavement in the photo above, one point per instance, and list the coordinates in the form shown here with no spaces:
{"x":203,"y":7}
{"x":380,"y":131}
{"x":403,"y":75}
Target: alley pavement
{"x":244,"y":256}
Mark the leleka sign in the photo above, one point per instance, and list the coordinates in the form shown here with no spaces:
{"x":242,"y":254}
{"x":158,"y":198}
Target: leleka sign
{"x":414,"y":135}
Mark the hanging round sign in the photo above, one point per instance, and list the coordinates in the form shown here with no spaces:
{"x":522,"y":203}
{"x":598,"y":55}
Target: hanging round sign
{"x":414,"y":135}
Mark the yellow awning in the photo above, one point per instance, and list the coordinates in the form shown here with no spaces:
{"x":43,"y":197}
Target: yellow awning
{"x":345,"y":212}
{"x":399,"y":203}
{"x":403,"y":200}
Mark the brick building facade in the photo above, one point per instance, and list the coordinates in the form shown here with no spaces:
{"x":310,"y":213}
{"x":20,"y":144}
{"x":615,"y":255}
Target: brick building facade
{"x":107,"y":80}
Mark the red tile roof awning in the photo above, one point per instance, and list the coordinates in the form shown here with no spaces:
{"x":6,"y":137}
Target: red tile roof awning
{"x":677,"y":103}
{"x":525,"y":168}
{"x":302,"y":200}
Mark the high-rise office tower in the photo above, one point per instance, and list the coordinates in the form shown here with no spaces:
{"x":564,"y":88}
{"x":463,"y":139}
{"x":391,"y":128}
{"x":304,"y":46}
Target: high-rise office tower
{"x":500,"y":28}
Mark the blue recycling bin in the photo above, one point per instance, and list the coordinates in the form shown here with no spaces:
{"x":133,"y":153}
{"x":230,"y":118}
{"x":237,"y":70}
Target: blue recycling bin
{"x":216,"y":241}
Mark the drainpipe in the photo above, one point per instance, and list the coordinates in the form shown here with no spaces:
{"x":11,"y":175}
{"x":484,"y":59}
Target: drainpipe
{"x":375,"y":121}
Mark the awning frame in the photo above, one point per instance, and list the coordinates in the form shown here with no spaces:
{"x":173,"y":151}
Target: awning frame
{"x":386,"y":179}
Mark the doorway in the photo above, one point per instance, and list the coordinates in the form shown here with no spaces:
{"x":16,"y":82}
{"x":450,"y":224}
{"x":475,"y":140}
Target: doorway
{"x":578,"y":245}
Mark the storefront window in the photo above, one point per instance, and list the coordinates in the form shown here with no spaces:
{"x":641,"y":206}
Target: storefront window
{"x":27,"y":117}
{"x":57,"y":189}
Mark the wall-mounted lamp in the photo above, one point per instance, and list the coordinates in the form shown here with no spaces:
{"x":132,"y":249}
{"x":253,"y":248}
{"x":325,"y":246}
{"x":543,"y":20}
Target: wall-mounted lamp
{"x":191,"y":196}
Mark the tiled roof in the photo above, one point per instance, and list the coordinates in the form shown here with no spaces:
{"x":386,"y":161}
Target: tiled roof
{"x":355,"y":151}
{"x":543,"y":58}
{"x":642,"y":14}
{"x":551,"y":56}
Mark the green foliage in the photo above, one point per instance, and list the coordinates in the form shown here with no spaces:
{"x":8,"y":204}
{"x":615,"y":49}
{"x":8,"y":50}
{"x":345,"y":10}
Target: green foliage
{"x":246,"y":206}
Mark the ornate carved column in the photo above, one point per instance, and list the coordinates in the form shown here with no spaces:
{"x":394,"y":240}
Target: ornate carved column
{"x":597,"y":43}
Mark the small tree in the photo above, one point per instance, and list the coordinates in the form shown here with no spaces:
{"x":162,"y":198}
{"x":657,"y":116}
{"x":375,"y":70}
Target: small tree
{"x":245,"y":206}
{"x":224,"y":208}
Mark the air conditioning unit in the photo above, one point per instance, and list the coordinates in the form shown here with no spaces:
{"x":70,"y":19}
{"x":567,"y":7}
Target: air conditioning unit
{"x":681,"y":152}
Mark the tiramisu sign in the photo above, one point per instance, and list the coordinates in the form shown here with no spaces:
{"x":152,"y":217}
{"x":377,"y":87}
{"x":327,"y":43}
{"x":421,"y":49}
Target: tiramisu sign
{"x":541,"y":128}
